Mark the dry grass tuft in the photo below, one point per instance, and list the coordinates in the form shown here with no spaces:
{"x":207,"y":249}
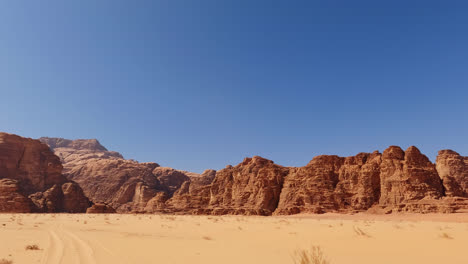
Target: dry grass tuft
{"x":5,"y":261}
{"x":445,"y":236}
{"x":313,"y":256}
{"x":207,"y":238}
{"x":32,"y":247}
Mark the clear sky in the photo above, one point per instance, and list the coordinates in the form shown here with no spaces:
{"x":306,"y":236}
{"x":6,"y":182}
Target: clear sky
{"x":202,"y":84}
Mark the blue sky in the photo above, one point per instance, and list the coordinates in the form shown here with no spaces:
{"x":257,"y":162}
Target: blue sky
{"x":202,"y":84}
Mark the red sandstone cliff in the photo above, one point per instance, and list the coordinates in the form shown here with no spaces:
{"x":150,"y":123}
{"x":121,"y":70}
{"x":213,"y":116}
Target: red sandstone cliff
{"x":31,"y":179}
{"x":392,"y":181}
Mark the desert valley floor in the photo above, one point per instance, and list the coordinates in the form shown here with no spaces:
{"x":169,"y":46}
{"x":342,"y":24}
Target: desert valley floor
{"x":344,"y":239}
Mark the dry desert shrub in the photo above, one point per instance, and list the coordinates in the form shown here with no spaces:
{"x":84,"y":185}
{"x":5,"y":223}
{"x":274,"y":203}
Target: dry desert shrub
{"x":32,"y":247}
{"x":312,"y":256}
{"x":6,"y":261}
{"x":445,"y":236}
{"x":207,"y":238}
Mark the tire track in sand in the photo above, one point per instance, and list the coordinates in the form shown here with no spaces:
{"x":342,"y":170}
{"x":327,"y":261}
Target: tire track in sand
{"x":55,"y":249}
{"x":84,"y":252}
{"x":65,"y":247}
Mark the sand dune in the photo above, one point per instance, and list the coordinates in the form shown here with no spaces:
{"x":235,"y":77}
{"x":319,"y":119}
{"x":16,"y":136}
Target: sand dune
{"x":68,"y":238}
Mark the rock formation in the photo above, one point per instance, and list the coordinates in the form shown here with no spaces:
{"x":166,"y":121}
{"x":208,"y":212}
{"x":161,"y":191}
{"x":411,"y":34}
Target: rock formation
{"x":11,"y":199}
{"x":407,"y":176}
{"x":392,"y":181}
{"x":310,"y":189}
{"x":358,"y":185}
{"x":107,"y":178}
{"x":453,"y":169}
{"x":192,"y":196}
{"x":252,"y":187}
{"x":31,"y":179}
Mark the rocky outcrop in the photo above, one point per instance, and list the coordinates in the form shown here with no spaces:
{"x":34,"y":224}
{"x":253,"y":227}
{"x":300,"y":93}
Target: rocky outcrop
{"x":73,"y":201}
{"x":407,"y":176}
{"x":193,"y":196}
{"x":122,"y":184}
{"x":453,"y":169}
{"x":332,"y":183}
{"x":358,"y":185}
{"x":107,"y":178}
{"x":170,"y":178}
{"x":252,"y":187}
{"x":79,"y":150}
{"x":310,"y":189}
{"x":392,"y":181}
{"x":31,"y":178}
{"x":11,"y":199}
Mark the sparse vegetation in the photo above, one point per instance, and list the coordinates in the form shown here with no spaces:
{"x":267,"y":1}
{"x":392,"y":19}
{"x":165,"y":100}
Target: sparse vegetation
{"x":6,"y":261}
{"x":445,"y":236}
{"x":207,"y":238}
{"x":32,"y":247}
{"x":312,"y":256}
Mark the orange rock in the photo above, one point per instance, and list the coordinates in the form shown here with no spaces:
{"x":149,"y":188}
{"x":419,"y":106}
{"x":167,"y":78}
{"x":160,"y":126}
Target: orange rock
{"x":37,"y":175}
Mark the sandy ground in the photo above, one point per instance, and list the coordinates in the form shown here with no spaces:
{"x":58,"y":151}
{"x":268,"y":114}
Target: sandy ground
{"x":344,"y":239}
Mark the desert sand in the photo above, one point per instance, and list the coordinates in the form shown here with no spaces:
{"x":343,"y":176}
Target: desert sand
{"x":344,"y":239}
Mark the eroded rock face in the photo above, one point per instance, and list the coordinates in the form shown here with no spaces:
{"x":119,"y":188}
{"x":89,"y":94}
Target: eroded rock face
{"x":32,"y":177}
{"x":358,"y":185}
{"x":407,"y":176}
{"x":78,"y":150}
{"x":394,"y":181}
{"x":107,"y":178}
{"x":11,"y":199}
{"x":191,"y":197}
{"x":124,"y":185}
{"x":29,"y":162}
{"x":170,"y":178}
{"x":252,"y":187}
{"x":310,"y":189}
{"x":73,"y":201}
{"x":453,"y":169}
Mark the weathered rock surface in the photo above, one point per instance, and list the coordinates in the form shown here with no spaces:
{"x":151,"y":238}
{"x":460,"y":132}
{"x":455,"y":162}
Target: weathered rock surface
{"x":407,"y":176}
{"x":11,"y":200}
{"x":310,"y":189}
{"x":192,"y":196}
{"x":358,"y":185}
{"x":32,"y":179}
{"x":252,"y":187}
{"x":392,"y":181}
{"x":453,"y":169}
{"x":107,"y":178}
{"x":78,"y":150}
